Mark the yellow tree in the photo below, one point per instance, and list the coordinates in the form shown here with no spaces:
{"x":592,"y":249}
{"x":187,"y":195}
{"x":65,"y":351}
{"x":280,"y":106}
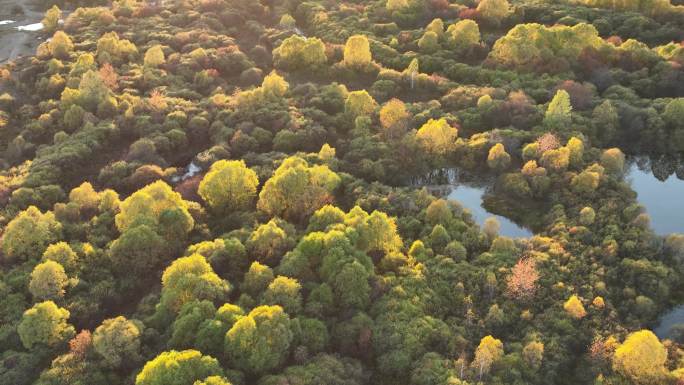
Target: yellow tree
{"x":48,"y":281}
{"x":437,"y":136}
{"x":229,"y":186}
{"x":154,"y":57}
{"x":394,"y":118}
{"x":359,"y":103}
{"x":574,"y":307}
{"x":51,"y":19}
{"x":641,"y":358}
{"x":488,"y":352}
{"x":494,"y":10}
{"x":463,"y":36}
{"x":357,"y":52}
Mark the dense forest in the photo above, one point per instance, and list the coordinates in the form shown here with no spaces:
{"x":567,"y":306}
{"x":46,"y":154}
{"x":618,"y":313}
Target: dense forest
{"x":217,"y":192}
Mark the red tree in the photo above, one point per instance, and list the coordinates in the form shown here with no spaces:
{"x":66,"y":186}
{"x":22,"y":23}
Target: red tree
{"x":522,"y":283}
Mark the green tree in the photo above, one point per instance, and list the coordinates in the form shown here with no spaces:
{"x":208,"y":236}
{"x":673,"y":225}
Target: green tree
{"x":28,"y":234}
{"x":284,"y":291}
{"x":117,"y":341}
{"x":260,"y":341}
{"x":357,"y":52}
{"x":48,"y":281}
{"x":229,"y":186}
{"x":268,"y":243}
{"x":257,"y":279}
{"x":674,"y":113}
{"x":138,"y":252}
{"x":641,"y":358}
{"x":296,"y":189}
{"x":605,"y":119}
{"x":93,"y":90}
{"x":45,"y":324}
{"x":178,"y":368}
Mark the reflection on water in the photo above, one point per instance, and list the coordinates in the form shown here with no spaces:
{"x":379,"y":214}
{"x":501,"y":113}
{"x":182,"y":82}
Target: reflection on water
{"x":668,"y":320}
{"x":471,"y":198}
{"x":468,"y":191}
{"x":660,"y":189}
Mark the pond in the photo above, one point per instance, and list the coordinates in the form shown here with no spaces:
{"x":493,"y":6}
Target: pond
{"x":661,"y":192}
{"x":448,"y":183}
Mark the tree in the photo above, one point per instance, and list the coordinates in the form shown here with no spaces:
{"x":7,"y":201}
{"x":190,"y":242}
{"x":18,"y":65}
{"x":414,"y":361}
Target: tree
{"x":152,"y":205}
{"x":85,"y":197}
{"x":93,"y":90}
{"x":394,"y":118}
{"x":359,"y":103}
{"x":260,"y":341}
{"x":117,"y":340}
{"x":213,"y":380}
{"x":350,"y":286}
{"x":296,"y":189}
{"x":587,"y":216}
{"x":48,"y":281}
{"x":154,"y":57}
{"x":463,"y":36}
{"x":28,"y":234}
{"x":357,"y":52}
{"x":61,"y":253}
{"x":396,"y":5}
{"x":673,"y":114}
{"x":533,"y":354}
{"x":498,"y":159}
{"x":60,"y":46}
{"x":257,"y":279}
{"x":268,"y":243}
{"x":284,"y":291}
{"x":438,"y":137}
{"x":274,"y":86}
{"x":45,"y":324}
{"x":429,"y":42}
{"x":494,"y":11}
{"x":613,"y":160}
{"x":138,"y":251}
{"x":574,"y":307}
{"x":51,"y":19}
{"x":298,"y":53}
{"x":558,"y":113}
{"x":522,"y":283}
{"x":487,"y":353}
{"x":229,"y":186}
{"x":190,"y":278}
{"x":178,"y":368}
{"x":606,"y":120}
{"x":641,"y":358}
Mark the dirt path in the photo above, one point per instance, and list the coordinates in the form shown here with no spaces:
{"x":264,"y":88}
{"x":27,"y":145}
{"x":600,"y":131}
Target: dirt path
{"x":15,"y":43}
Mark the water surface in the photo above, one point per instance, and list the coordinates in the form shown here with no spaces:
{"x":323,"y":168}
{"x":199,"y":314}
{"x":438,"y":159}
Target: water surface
{"x":662,"y":196}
